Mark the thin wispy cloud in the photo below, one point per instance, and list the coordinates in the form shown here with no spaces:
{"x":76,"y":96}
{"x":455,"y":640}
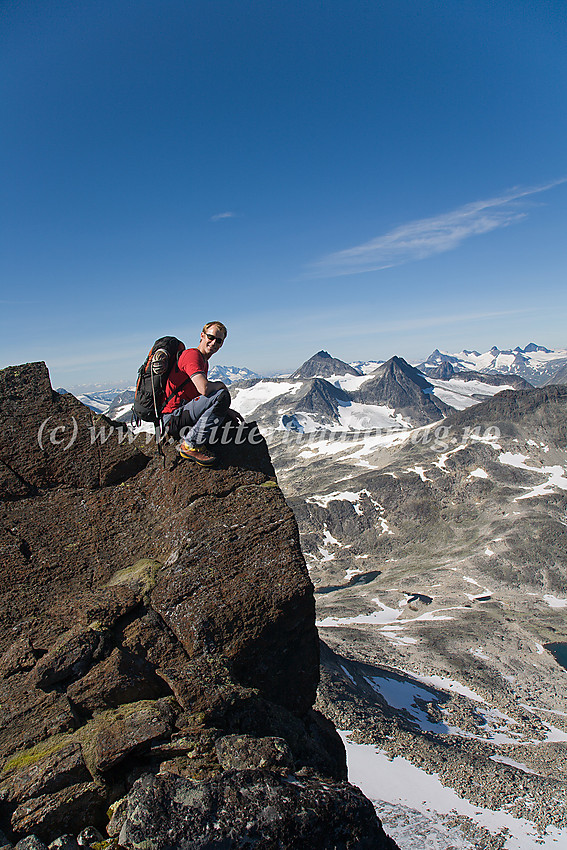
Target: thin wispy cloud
{"x":220,"y":216}
{"x":425,"y":237}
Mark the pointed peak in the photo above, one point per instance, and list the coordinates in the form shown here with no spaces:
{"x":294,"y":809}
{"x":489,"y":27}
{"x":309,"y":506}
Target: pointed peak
{"x":322,"y":365}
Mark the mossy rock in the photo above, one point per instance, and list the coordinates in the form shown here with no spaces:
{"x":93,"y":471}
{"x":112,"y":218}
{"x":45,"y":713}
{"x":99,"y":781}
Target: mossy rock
{"x":26,"y":758}
{"x":140,"y":577}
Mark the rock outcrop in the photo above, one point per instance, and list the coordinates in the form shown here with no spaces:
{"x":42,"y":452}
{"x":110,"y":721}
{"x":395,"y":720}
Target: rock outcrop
{"x":158,"y":649}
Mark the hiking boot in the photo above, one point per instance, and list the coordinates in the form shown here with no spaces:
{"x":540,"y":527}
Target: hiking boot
{"x":199,"y":454}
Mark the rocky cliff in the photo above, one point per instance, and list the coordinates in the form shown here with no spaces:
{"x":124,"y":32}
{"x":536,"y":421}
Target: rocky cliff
{"x":158,"y":653}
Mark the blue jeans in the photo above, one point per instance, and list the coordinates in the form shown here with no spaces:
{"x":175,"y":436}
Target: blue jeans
{"x":195,"y":420}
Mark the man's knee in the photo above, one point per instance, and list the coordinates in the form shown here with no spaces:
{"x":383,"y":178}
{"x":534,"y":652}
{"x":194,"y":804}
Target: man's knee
{"x":222,"y":400}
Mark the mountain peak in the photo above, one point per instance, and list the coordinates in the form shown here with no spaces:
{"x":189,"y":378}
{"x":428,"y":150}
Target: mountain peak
{"x":399,"y":385}
{"x":322,"y":365}
{"x":533,"y":347}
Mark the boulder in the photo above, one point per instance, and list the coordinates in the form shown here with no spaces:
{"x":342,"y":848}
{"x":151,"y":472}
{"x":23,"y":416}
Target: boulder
{"x":71,"y":656}
{"x":64,"y":842}
{"x":240,"y":809}
{"x":66,"y":810}
{"x":89,"y":836}
{"x":246,"y":594}
{"x":123,"y":732}
{"x":30,"y":842}
{"x":28,"y":716}
{"x":121,"y":678}
{"x":44,"y":773}
{"x":241,"y":752}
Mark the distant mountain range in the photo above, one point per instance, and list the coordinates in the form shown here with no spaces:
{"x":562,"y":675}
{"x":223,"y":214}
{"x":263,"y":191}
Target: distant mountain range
{"x":536,"y":363}
{"x":326,"y":392}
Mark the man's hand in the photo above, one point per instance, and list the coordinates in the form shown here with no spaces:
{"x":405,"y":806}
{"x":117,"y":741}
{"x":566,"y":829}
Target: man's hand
{"x":214,"y":387}
{"x":234,"y":416}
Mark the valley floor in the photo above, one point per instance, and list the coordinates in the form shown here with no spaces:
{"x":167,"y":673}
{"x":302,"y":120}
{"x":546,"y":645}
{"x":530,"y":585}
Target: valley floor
{"x":440,"y":576}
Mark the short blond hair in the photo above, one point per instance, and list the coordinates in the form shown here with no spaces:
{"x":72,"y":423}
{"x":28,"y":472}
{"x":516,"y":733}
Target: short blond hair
{"x":219,"y":325}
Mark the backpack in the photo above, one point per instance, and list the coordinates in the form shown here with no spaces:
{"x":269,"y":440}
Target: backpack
{"x":150,"y":398}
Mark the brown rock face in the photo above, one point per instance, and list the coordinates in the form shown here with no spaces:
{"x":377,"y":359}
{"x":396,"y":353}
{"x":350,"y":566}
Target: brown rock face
{"x":153,"y":621}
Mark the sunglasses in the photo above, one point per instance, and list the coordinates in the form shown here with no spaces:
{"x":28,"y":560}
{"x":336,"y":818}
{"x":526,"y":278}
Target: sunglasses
{"x":211,"y":337}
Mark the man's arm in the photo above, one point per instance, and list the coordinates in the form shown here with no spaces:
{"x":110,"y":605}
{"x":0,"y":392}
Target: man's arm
{"x":205,"y":387}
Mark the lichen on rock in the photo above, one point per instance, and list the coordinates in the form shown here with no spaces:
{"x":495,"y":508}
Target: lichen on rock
{"x":157,"y":631}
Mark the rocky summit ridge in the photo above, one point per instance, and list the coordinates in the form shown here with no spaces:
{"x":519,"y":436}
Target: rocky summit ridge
{"x":158,"y":652}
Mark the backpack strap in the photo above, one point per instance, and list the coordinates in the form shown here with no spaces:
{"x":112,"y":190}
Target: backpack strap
{"x":179,"y":388}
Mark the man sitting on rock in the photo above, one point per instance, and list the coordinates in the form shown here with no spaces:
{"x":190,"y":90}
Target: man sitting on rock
{"x":200,"y":405}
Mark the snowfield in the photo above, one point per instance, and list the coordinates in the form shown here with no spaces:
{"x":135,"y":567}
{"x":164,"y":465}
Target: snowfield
{"x":407,"y":790}
{"x":247,"y":400}
{"x":460,"y":394}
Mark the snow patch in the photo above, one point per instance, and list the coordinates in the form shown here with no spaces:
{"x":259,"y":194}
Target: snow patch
{"x":419,"y":470}
{"x":554,"y":602}
{"x":398,"y":782}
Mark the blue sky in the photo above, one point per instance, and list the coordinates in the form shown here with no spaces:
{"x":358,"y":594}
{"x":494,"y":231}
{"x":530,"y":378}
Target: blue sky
{"x":372,"y":178}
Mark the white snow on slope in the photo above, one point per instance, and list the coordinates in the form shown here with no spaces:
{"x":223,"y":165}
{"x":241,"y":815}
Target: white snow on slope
{"x":99,"y":405}
{"x":446,"y":684}
{"x":399,"y":783}
{"x":554,"y":602}
{"x":349,"y":383}
{"x":387,"y":615}
{"x":459,"y":394}
{"x":556,"y":475}
{"x":366,"y":366}
{"x":361,"y":446}
{"x":121,"y":411}
{"x":246,"y":400}
{"x":360,"y":417}
{"x":344,"y":496}
{"x":402,"y":694}
{"x":419,"y":470}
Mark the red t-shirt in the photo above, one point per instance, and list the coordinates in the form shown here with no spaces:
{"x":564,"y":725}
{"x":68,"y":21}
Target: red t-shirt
{"x":190,"y":362}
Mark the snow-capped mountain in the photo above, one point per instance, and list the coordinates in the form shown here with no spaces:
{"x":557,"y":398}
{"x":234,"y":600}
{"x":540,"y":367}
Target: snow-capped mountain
{"x":230,"y":374}
{"x":102,"y":400}
{"x":536,"y":363}
{"x":325,"y":392}
{"x":396,"y":396}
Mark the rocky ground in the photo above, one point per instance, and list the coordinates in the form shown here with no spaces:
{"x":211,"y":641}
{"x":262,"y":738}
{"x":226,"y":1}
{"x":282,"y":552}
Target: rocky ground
{"x":158,"y":652}
{"x":439,"y":559}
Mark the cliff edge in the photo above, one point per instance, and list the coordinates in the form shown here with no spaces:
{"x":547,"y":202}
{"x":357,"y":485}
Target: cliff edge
{"x":158,"y":652}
